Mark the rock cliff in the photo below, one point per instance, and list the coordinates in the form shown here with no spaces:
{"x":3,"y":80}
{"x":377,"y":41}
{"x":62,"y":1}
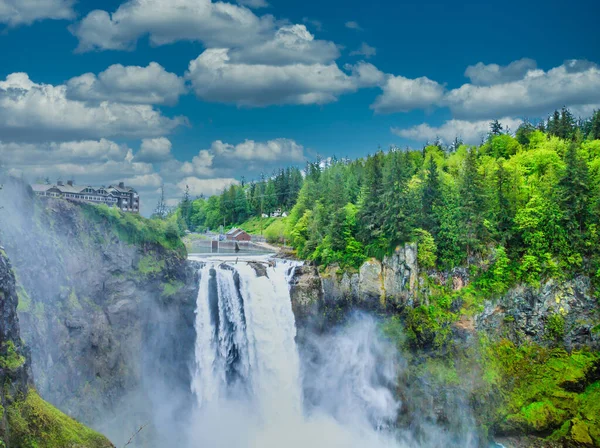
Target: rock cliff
{"x":25,"y":419}
{"x":107,"y":306}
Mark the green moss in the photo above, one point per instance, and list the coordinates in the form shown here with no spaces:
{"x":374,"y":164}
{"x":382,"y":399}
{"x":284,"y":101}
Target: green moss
{"x":73,"y":301}
{"x":555,"y":327}
{"x":35,"y":423}
{"x":541,"y":391}
{"x":10,"y":360}
{"x":24,"y":305}
{"x":149,"y":265}
{"x":536,"y":417}
{"x":171,"y":288}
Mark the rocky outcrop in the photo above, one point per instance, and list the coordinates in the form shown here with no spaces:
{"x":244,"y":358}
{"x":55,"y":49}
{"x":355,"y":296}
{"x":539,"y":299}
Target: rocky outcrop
{"x":106,"y":307}
{"x":15,"y":370}
{"x":565,"y":313}
{"x":25,"y":418}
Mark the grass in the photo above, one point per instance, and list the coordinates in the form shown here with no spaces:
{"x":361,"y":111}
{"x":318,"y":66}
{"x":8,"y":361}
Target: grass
{"x":253,"y":225}
{"x":135,"y":229}
{"x":34,"y":423}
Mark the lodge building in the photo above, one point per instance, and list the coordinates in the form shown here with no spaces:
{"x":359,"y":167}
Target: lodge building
{"x":123,"y":197}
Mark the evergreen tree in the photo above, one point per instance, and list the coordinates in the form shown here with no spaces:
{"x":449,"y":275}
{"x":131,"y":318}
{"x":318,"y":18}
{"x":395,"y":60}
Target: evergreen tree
{"x":594,"y":133}
{"x":431,"y":199}
{"x":574,"y":194}
{"x":496,"y":128}
{"x":371,"y":206}
{"x":472,"y":202}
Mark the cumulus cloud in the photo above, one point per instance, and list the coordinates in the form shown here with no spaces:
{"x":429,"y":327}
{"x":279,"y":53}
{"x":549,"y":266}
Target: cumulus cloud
{"x":43,"y":112}
{"x":85,"y":151}
{"x":364,"y":50}
{"x":353,"y":25}
{"x":574,"y":84}
{"x":402,"y":94}
{"x":470,"y":132}
{"x":291,"y":44}
{"x":152,"y":180}
{"x":225,"y":158}
{"x":25,"y":12}
{"x":486,"y":75}
{"x":215,"y":77}
{"x":207,"y":187}
{"x":132,"y":84}
{"x":166,"y":21}
{"x":92,"y":162}
{"x":154,"y":150}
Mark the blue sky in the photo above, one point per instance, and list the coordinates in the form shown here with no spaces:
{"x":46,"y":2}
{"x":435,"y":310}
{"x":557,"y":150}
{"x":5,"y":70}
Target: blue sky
{"x":273,"y":83}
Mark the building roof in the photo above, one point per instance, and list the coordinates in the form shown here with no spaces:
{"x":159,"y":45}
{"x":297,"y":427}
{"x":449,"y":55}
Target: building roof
{"x":236,"y":232}
{"x":80,"y":188}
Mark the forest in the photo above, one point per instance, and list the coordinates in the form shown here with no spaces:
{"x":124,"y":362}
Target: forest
{"x":528,"y":201}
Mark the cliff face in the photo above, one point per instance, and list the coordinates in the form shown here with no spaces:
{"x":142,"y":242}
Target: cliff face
{"x":106,"y":308}
{"x":25,"y":419}
{"x":522,"y":365}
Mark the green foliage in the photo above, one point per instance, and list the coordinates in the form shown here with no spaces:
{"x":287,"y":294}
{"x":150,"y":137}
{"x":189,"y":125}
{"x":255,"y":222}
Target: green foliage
{"x":10,"y":359}
{"x":171,"y":288}
{"x":547,"y":392}
{"x":276,"y":232}
{"x":135,"y":229}
{"x":555,"y":327}
{"x":35,"y":423}
{"x":149,"y":265}
{"x":426,"y":249}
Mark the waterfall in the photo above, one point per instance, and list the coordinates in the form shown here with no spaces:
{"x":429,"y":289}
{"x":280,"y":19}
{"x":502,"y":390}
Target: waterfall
{"x":245,"y":343}
{"x":253,"y":389}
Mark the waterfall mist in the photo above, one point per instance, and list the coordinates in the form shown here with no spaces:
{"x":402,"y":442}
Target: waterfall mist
{"x":255,"y":387}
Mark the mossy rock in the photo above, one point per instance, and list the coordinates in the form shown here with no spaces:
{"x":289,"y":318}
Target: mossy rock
{"x":580,"y":432}
{"x":34,"y":423}
{"x":539,"y":417}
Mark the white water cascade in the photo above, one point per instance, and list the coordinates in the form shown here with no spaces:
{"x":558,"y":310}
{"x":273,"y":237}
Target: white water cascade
{"x":247,"y":376}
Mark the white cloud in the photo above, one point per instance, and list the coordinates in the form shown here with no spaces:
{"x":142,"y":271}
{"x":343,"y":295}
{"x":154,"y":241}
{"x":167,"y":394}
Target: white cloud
{"x":365,"y":74}
{"x":278,"y":150}
{"x":215,"y":77}
{"x":166,"y":21}
{"x":574,"y":84}
{"x":25,"y":12}
{"x":365,"y":50}
{"x":291,"y":44}
{"x":132,"y":84}
{"x":224,"y":158}
{"x":152,"y":180}
{"x":42,"y":112}
{"x":85,"y":151}
{"x":353,"y":25}
{"x":486,"y":75}
{"x":402,"y":94}
{"x":201,"y":165}
{"x":471,"y":132}
{"x":154,"y":150}
{"x":207,"y":187}
{"x":255,"y":4}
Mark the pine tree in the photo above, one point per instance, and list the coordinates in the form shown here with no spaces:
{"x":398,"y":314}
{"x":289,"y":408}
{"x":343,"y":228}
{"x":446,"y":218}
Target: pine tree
{"x":496,"y":128}
{"x":574,"y":194}
{"x":472,"y":202}
{"x":399,"y":215}
{"x":431,"y":199}
{"x":594,"y":133}
{"x":370,"y":213}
